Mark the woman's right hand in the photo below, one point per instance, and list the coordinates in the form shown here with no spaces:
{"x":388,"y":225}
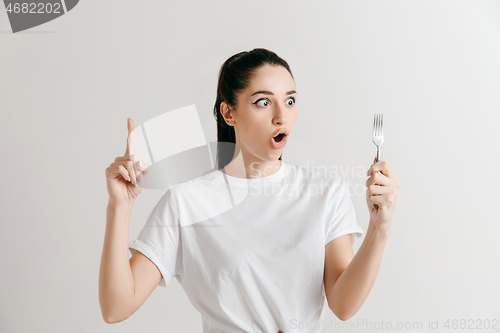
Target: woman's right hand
{"x":125,"y":175}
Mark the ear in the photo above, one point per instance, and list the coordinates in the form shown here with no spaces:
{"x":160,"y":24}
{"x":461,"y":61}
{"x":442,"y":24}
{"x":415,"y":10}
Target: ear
{"x":227,"y":114}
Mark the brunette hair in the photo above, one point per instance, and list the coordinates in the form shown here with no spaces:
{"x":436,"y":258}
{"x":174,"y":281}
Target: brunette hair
{"x":234,"y":77}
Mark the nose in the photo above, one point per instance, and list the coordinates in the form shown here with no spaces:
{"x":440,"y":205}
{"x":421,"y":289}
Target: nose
{"x":279,"y":115}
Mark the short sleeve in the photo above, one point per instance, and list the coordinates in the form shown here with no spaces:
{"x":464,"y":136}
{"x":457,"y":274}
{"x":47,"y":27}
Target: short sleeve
{"x":340,"y":215}
{"x":159,"y":239}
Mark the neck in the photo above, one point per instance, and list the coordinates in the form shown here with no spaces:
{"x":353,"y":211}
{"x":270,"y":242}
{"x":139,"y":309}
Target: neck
{"x":250,"y":167}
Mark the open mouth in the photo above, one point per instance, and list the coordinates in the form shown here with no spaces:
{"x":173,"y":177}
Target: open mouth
{"x":279,"y":137}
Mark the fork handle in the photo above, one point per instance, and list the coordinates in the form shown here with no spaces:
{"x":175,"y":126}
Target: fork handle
{"x":378,"y":159}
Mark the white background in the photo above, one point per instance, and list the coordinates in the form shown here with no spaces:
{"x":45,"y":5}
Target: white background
{"x":431,"y":67}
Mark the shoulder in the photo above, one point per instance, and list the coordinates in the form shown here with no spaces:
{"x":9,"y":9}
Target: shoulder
{"x":190,"y":187}
{"x":178,"y":194}
{"x":199,"y":199}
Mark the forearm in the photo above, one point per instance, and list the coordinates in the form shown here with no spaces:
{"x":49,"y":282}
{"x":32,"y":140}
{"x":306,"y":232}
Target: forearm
{"x":116,"y":282}
{"x":353,"y":286}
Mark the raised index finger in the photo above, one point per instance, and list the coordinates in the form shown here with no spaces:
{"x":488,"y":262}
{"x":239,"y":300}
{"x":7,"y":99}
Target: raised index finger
{"x":131,"y":137}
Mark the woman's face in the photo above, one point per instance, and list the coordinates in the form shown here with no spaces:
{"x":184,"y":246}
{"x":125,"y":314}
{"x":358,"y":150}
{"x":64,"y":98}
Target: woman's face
{"x":264,"y":108}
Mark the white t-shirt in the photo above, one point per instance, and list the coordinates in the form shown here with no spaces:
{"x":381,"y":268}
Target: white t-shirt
{"x":250,"y":253}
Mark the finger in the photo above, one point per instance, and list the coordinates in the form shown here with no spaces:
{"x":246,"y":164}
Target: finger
{"x":129,"y":165}
{"x":378,"y":179}
{"x":140,"y":165}
{"x":139,"y":168}
{"x":136,"y":167}
{"x":378,"y":190}
{"x":377,"y":199}
{"x":144,"y":170}
{"x":123,"y":171}
{"x":131,"y":137}
{"x":383,"y":167}
{"x":374,"y":163}
{"x":381,"y":180}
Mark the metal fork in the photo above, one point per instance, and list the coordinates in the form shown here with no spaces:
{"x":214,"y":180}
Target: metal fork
{"x":378,"y":138}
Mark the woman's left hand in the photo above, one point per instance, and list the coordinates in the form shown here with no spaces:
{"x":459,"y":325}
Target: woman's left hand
{"x":383,"y":189}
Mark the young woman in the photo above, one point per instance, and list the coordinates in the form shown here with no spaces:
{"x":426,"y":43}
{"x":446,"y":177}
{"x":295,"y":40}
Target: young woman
{"x":258,"y":244}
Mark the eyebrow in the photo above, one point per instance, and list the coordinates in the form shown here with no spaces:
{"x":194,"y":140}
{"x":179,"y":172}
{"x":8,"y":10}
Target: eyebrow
{"x":267,"y":92}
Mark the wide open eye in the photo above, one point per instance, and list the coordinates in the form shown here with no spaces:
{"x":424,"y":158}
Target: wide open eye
{"x":263,"y":100}
{"x":292,"y":99}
